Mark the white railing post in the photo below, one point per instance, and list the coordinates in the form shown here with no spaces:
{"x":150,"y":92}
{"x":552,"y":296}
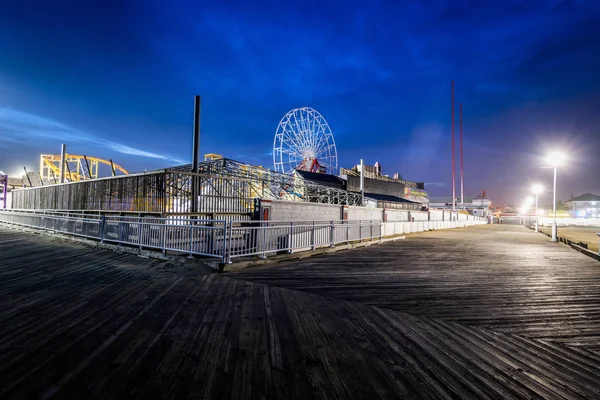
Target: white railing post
{"x":191,"y":239}
{"x":312,"y":236}
{"x":141,"y":233}
{"x":331,"y":233}
{"x":347,"y":225}
{"x":264,"y":240}
{"x":229,"y":243}
{"x":290,"y":238}
{"x":102,"y":227}
{"x":120,"y":232}
{"x":163,"y":239}
{"x":371,"y":229}
{"x":225,"y":256}
{"x":360,"y":235}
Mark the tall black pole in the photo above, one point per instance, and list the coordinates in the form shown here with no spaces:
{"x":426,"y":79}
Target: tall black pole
{"x":63,"y":155}
{"x":195,"y":154}
{"x":87,"y":164}
{"x":30,"y":185}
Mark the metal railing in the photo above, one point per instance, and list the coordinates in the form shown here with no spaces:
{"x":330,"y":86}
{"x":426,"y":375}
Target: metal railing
{"x":217,"y":238}
{"x":210,"y":238}
{"x":193,"y":236}
{"x":262,"y":238}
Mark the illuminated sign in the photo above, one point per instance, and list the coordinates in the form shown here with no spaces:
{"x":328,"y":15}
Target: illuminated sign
{"x":414,"y":192}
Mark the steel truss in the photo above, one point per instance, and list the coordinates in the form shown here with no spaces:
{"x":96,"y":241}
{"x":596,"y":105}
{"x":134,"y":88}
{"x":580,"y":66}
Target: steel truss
{"x":226,"y":187}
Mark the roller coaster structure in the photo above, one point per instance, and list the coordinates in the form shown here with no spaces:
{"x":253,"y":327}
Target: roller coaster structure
{"x":78,"y":168}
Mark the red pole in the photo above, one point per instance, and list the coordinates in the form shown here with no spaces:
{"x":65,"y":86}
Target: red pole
{"x":453,"y":160}
{"x":462,"y":199}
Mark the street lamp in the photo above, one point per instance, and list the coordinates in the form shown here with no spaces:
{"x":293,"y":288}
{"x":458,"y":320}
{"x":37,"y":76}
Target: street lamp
{"x":536,"y":189}
{"x":555,"y":159}
{"x":525,"y":209}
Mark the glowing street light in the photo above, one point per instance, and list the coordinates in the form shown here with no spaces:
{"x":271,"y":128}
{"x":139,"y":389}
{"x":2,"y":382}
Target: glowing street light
{"x":524,"y":210}
{"x":555,"y":159}
{"x":536,"y":189}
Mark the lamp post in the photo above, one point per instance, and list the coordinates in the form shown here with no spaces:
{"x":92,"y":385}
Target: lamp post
{"x":555,"y":159}
{"x":536,"y":189}
{"x":525,"y":210}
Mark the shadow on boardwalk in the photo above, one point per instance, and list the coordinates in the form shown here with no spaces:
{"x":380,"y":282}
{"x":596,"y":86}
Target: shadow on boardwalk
{"x":489,"y":311}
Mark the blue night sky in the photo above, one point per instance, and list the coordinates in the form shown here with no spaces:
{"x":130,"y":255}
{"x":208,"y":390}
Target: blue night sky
{"x":116,"y":79}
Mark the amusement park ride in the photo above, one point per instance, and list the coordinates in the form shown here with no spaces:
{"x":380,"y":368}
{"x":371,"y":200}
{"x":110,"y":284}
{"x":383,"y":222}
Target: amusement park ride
{"x":215,"y":187}
{"x":78,"y":168}
{"x":304,"y":141}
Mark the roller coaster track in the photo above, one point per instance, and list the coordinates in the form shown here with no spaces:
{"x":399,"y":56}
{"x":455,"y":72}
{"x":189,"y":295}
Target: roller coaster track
{"x":78,"y":167}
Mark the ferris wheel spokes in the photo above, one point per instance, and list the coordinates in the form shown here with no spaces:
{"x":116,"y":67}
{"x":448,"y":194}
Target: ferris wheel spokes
{"x":303,"y":140}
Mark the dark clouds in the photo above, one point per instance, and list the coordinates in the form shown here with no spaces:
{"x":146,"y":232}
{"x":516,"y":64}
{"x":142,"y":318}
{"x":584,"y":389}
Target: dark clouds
{"x":125,"y":73}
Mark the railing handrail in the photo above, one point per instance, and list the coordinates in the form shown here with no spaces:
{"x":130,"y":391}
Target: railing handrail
{"x":218,"y":238}
{"x":75,"y":214}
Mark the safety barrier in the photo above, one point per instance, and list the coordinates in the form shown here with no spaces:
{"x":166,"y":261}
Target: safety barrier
{"x":218,"y":238}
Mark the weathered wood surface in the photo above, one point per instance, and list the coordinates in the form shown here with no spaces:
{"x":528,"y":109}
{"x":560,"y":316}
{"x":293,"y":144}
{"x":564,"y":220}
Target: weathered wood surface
{"x":83,"y":323}
{"x":504,"y":278}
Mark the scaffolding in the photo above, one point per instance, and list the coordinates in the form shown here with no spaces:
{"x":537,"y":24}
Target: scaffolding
{"x":226,"y":188}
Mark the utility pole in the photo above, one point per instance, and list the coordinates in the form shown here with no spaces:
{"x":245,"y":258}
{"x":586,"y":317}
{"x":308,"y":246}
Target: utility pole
{"x":453,"y":160}
{"x":362,"y":182}
{"x":63,"y":155}
{"x":195,"y":154}
{"x":462,"y":198}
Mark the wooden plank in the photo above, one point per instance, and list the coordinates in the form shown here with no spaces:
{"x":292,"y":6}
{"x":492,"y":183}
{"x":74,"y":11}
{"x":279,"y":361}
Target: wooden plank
{"x":504,"y":278}
{"x":77,"y":322}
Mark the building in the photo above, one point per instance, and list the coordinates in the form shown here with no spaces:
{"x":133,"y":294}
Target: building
{"x":584,"y":206}
{"x":3,"y":190}
{"x":389,"y":201}
{"x":385,"y":192}
{"x":7,"y":185}
{"x":376,"y":194}
{"x":479,"y":206}
{"x":322,"y":179}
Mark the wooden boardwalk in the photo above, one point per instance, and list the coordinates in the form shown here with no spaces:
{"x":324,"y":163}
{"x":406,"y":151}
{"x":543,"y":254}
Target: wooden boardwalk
{"x":483,"y":312}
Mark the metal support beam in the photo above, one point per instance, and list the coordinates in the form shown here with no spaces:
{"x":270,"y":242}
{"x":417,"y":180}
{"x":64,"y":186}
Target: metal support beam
{"x":87,"y":164}
{"x":27,"y":176}
{"x":63,"y":155}
{"x":69,"y":171}
{"x":453,"y":161}
{"x":362,"y":182}
{"x":195,"y":154}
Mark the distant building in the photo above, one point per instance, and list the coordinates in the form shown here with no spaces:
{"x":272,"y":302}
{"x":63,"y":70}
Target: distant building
{"x":586,"y":205}
{"x":380,"y":194}
{"x":9,"y":183}
{"x":385,"y":192}
{"x":323,"y":179}
{"x":389,"y":201}
{"x":479,"y":206}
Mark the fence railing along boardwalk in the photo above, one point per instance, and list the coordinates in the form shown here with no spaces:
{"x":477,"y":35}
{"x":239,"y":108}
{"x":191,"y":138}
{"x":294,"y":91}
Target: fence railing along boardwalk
{"x":217,"y":238}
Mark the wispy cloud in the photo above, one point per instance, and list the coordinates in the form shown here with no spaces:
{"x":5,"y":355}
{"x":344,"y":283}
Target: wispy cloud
{"x":18,"y":126}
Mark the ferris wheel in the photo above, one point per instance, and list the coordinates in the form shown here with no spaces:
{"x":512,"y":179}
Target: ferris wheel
{"x":303,"y":141}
